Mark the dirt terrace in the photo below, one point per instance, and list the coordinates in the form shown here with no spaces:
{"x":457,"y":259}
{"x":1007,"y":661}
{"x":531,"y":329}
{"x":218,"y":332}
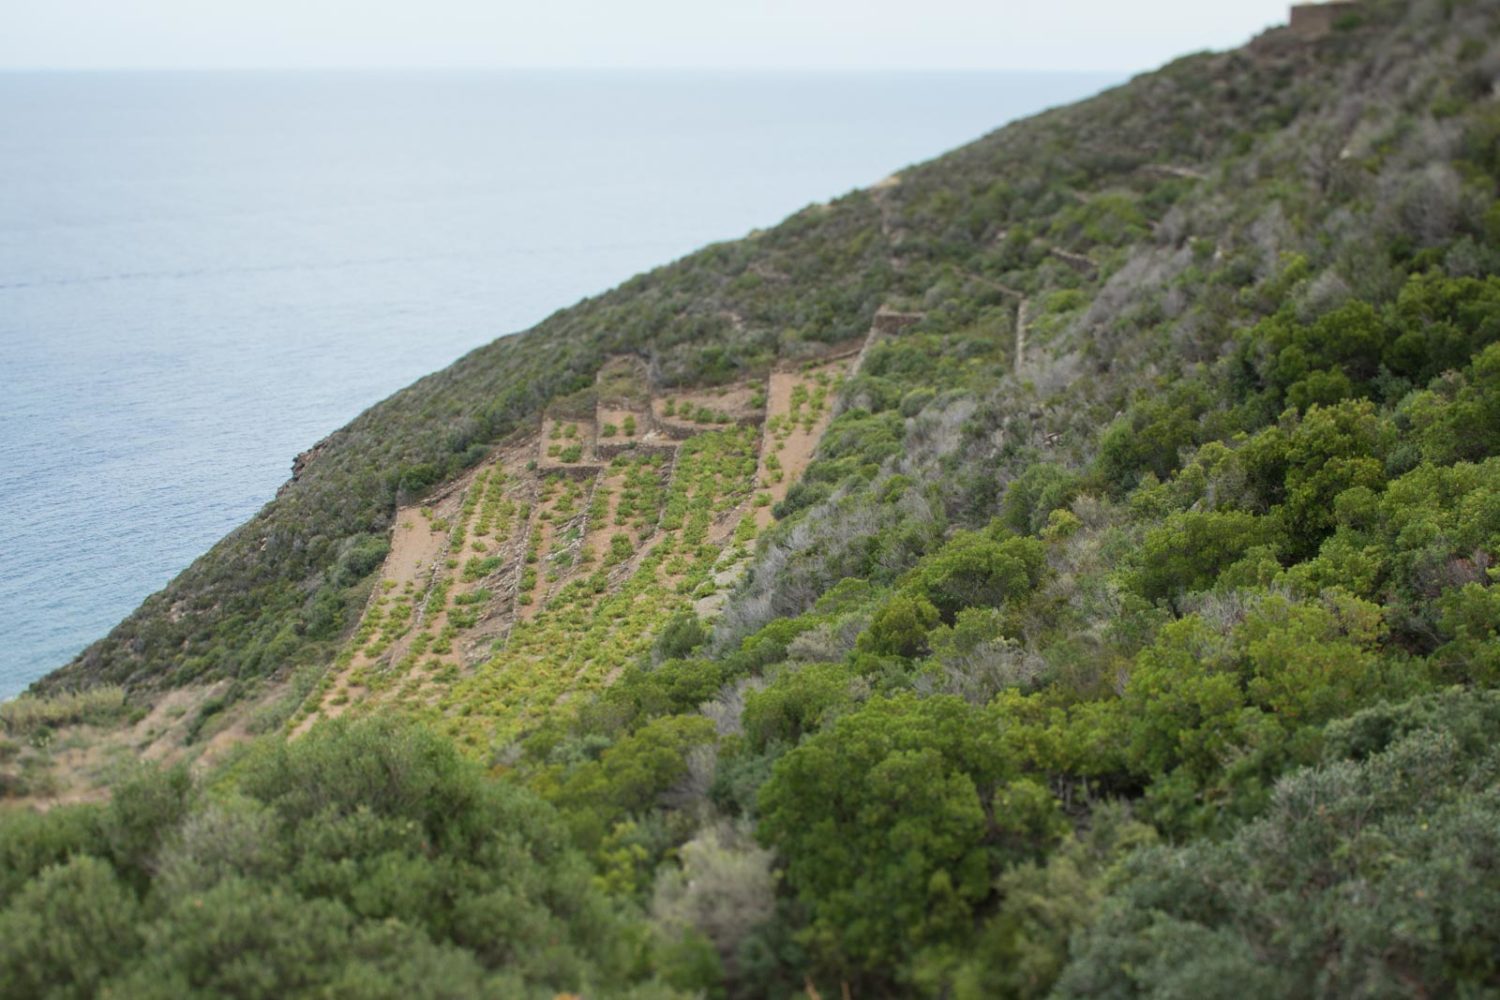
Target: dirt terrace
{"x":577,"y":498}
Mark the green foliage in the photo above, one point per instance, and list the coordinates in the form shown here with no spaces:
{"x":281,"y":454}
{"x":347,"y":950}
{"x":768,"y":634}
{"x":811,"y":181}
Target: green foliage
{"x":1309,"y":664}
{"x":1032,"y":496}
{"x":363,"y":860}
{"x":1185,"y":703}
{"x":1150,"y":437}
{"x":1023,"y":948}
{"x":1471,"y":616}
{"x":1189,"y":550}
{"x":361,"y":556}
{"x":141,"y":813}
{"x":630,"y":776}
{"x":31,"y":842}
{"x":900,"y":627}
{"x":1201,"y":700}
{"x":974,"y":570}
{"x":26,"y":715}
{"x":690,"y":963}
{"x":1456,"y":418}
{"x":1366,"y":875}
{"x":68,"y":931}
{"x":670,"y":687}
{"x":893,"y":824}
{"x":1331,"y":450}
{"x":680,"y":637}
{"x":1240,"y":483}
{"x":800,"y":701}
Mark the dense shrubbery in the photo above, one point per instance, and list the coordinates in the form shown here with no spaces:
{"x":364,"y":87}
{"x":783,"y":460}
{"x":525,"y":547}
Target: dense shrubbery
{"x":361,"y":861}
{"x":1371,"y":873}
{"x":1161,"y":665}
{"x":894,"y":822}
{"x":1086,"y":630}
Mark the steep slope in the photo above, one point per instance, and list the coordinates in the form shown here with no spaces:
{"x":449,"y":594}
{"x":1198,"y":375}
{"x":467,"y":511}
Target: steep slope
{"x":283,"y":587}
{"x":1133,"y":629}
{"x":538,"y":577}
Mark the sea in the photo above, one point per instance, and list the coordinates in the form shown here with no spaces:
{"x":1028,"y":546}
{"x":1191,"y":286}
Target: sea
{"x":201,"y":274}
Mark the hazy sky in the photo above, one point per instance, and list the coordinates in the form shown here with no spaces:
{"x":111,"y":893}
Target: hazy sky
{"x":737,"y":34}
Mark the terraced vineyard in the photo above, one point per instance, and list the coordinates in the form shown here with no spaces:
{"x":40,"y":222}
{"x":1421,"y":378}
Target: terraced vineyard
{"x":544,"y":571}
{"x":1134,"y":632}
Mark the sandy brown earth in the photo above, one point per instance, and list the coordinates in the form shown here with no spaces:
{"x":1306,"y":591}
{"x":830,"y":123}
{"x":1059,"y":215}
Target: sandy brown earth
{"x":419,"y":543}
{"x":791,"y":437}
{"x":560,"y":434}
{"x":607,"y":417}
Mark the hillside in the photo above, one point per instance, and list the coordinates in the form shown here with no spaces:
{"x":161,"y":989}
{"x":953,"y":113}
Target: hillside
{"x":1067,"y":567}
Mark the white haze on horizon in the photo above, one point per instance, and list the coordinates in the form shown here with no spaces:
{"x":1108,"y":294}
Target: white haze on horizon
{"x":835,"y":35}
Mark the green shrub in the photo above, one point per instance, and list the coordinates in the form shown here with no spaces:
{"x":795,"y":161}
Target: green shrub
{"x":885,"y":823}
{"x":900,"y":627}
{"x":1403,"y":827}
{"x":27,"y":714}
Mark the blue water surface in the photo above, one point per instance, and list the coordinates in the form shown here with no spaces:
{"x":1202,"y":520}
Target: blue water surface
{"x":202,"y":274}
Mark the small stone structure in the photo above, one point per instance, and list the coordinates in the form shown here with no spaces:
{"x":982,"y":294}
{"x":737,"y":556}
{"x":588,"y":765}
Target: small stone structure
{"x":654,"y":444}
{"x":889,"y":322}
{"x":1314,"y":20}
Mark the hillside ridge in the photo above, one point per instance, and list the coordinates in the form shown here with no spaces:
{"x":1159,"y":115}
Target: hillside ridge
{"x":1068,"y":568}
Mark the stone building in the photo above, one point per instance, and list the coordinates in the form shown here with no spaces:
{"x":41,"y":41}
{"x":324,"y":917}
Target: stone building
{"x":1314,"y":20}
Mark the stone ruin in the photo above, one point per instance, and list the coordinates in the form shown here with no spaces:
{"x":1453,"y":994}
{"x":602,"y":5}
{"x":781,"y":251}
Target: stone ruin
{"x":1311,"y":21}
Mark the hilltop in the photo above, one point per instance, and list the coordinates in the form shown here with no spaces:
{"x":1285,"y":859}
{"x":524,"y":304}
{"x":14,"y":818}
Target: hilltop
{"x":1067,"y":567}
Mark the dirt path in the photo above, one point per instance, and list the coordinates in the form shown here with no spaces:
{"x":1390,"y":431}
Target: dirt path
{"x":449,"y":580}
{"x":1020,"y":361}
{"x":420,"y":546}
{"x":798,"y":409}
{"x":415,"y":547}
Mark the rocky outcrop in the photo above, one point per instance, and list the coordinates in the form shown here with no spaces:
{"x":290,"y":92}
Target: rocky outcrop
{"x":303,"y":460}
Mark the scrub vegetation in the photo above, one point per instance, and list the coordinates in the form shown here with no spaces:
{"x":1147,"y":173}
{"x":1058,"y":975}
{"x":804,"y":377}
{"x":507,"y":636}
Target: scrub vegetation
{"x":1130,"y":629}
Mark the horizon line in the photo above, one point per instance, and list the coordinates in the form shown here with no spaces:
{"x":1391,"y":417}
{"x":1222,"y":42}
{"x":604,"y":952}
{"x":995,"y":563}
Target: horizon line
{"x":721,"y":70}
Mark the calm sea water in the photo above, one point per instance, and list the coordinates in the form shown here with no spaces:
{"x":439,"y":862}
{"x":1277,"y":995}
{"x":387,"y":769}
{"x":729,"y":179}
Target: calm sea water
{"x":202,"y":274}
